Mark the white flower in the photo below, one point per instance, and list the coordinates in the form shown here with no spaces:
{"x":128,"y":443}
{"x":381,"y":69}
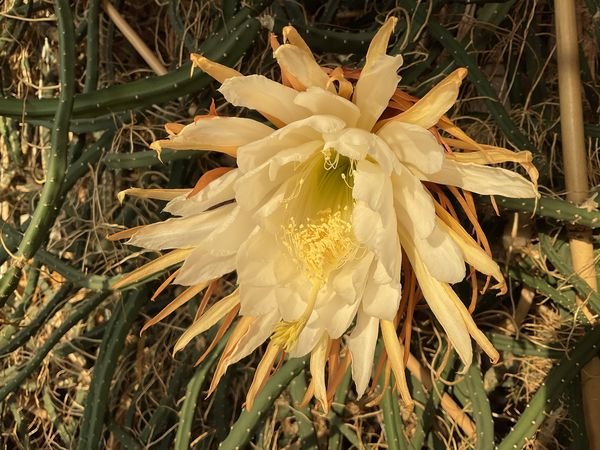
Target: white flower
{"x":320,"y":208}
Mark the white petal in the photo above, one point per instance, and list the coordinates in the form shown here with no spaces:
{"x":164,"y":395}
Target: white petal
{"x":413,"y":145}
{"x":259,"y":93}
{"x":374,"y":216}
{"x":312,"y":128}
{"x":301,"y":65}
{"x":259,"y":331}
{"x":207,"y":320}
{"x":381,"y":300}
{"x":231,"y":233}
{"x":414,"y":207}
{"x":351,"y":142}
{"x":362,"y":343}
{"x":261,"y":261}
{"x":481,"y":179}
{"x":215,"y":193}
{"x":202,"y":265}
{"x":349,"y":282}
{"x":428,"y":110}
{"x":442,"y":307}
{"x":442,"y":256}
{"x":182,"y":232}
{"x":308,"y":339}
{"x":295,"y":155}
{"x":222,"y":134}
{"x":258,"y":300}
{"x":337,"y":317}
{"x":321,"y":101}
{"x":375,"y":87}
{"x":318,"y":358}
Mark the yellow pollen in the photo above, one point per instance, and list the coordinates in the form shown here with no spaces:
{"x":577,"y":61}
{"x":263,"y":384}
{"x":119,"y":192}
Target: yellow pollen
{"x":286,"y":333}
{"x":323,"y":245}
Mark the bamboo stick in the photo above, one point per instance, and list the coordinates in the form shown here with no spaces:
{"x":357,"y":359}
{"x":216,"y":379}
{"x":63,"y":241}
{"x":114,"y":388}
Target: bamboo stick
{"x":575,"y":164}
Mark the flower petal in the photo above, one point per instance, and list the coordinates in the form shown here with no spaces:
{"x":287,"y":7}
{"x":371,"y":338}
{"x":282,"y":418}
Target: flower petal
{"x":361,"y":344}
{"x":350,"y":280}
{"x":259,"y":93}
{"x":216,"y":192}
{"x":300,"y":66}
{"x":481,"y":179}
{"x":300,"y":132}
{"x":220,"y":134}
{"x":261,"y":261}
{"x":215,"y":313}
{"x":181,"y":232}
{"x":258,"y":332}
{"x":442,"y":255}
{"x":374,"y":216}
{"x":414,"y":207}
{"x":429,"y":110}
{"x":381,"y":300}
{"x":378,"y":79}
{"x":318,"y":358}
{"x":442,"y":307}
{"x":375,"y":87}
{"x":413,"y":145}
{"x":321,"y":101}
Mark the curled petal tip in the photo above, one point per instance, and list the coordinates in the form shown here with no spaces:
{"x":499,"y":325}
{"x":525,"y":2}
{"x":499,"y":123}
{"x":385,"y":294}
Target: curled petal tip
{"x":461,"y":73}
{"x":392,"y":20}
{"x":197,"y":59}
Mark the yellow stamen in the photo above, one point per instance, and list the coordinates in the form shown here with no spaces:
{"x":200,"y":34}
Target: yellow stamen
{"x":323,"y":245}
{"x":286,"y":332}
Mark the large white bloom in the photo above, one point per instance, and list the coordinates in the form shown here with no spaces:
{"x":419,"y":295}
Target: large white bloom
{"x":320,"y":208}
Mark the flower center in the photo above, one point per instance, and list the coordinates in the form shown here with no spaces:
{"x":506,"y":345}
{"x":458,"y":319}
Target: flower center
{"x":318,"y":231}
{"x":318,"y":228}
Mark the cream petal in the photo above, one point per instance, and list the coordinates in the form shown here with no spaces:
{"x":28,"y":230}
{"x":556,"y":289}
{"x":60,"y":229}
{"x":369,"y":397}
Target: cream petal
{"x":216,"y":192}
{"x":295,"y":155}
{"x":252,"y":187}
{"x":370,"y":184}
{"x":375,"y":87}
{"x":374,"y":216}
{"x":362,"y":343}
{"x":259,"y":93}
{"x":182,"y":232}
{"x":336,"y":316}
{"x":413,"y":145}
{"x":259,"y":331}
{"x":414,"y":207}
{"x":351,"y":142}
{"x":442,"y":307}
{"x":442,"y":256}
{"x":481,"y":179}
{"x":380,"y":42}
{"x":262,"y":263}
{"x":381,"y":300}
{"x":300,"y":64}
{"x":427,"y":111}
{"x":308,"y":339}
{"x":221,"y":134}
{"x":349,"y":282}
{"x":207,"y":320}
{"x":474,"y":255}
{"x":300,"y":132}
{"x":258,"y":300}
{"x":321,"y":101}
{"x":318,"y":359}
{"x":202,"y":265}
{"x":231,"y":233}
